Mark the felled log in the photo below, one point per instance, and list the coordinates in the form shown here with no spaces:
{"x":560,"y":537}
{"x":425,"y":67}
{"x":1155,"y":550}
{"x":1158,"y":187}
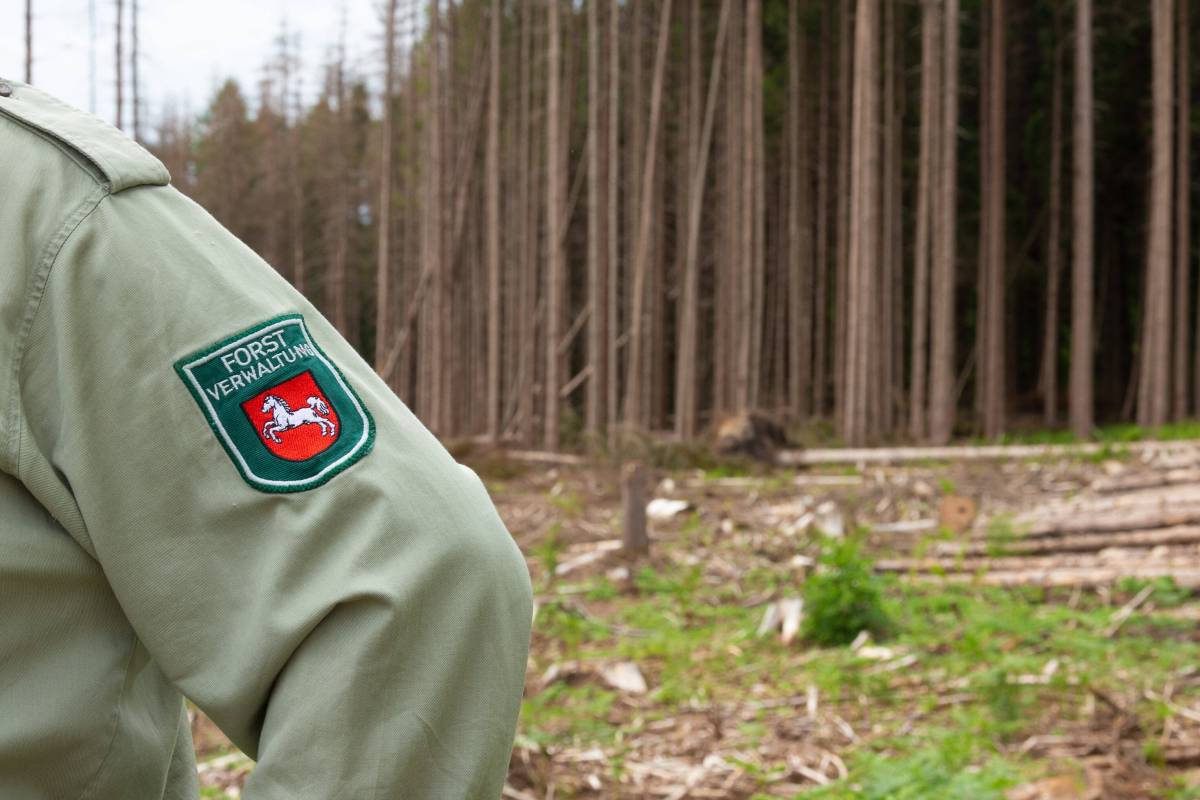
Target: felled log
{"x":897,"y":455}
{"x":1077,"y":543}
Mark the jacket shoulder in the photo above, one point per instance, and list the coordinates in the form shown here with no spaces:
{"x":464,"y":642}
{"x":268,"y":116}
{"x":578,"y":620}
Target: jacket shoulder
{"x":121,"y":162}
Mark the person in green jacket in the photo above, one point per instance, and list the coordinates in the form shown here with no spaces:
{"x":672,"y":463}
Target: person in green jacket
{"x":206,"y":493}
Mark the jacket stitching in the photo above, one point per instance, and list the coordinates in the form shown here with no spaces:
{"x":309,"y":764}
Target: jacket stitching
{"x":35,"y":292}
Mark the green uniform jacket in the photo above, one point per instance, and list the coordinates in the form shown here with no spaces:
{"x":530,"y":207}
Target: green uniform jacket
{"x":205,"y":492}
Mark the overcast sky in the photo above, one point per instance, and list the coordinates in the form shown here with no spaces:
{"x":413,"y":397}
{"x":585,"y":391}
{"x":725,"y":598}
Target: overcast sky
{"x":188,"y":46}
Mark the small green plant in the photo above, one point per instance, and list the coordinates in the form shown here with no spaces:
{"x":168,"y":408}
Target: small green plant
{"x":947,"y":486}
{"x":547,"y":551}
{"x":1000,"y":535}
{"x":568,"y":502}
{"x":844,"y":596}
{"x":1166,"y":594}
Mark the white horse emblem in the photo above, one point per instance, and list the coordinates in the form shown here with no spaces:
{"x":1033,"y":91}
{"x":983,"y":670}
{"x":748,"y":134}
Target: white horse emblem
{"x":284,"y":419}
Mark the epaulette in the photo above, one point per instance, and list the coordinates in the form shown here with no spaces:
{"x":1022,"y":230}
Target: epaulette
{"x":123,"y":162}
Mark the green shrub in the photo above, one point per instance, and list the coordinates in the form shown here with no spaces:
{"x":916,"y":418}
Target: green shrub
{"x":844,"y":596}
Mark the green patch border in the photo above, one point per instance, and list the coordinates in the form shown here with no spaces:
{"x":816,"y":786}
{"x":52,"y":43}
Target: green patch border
{"x":254,"y":481}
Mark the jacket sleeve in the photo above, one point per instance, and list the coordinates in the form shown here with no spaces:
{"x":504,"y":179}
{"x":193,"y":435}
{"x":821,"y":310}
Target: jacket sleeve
{"x":365,"y":638}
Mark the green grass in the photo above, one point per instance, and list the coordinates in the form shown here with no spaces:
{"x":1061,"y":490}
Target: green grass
{"x":694,"y":641}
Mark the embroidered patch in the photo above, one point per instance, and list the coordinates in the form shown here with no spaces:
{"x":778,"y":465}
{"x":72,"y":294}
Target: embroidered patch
{"x":285,"y":414}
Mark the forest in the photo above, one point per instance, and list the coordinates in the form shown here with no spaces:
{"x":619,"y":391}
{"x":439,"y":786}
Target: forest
{"x":894,"y":221}
{"x":594,"y":232}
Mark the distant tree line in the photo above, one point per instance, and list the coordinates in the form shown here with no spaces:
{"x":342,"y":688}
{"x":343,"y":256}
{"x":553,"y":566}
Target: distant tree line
{"x":561,"y":221}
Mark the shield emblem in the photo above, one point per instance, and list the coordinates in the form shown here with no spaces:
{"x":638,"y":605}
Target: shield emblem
{"x":295,"y":419}
{"x":285,"y":414}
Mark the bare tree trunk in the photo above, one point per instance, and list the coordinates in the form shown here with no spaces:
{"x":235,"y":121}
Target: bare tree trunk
{"x":613,"y":310}
{"x":434,"y":252}
{"x":824,"y":121}
{"x":29,"y":41}
{"x":336,"y":217}
{"x":685,"y":392}
{"x":120,"y":63}
{"x":891,"y":244}
{"x":1182,"y":289}
{"x":1154,"y":387}
{"x":634,"y":411}
{"x":1049,"y":371}
{"x":927,"y":173}
{"x":992,"y":292}
{"x":492,"y":225}
{"x":91,"y":55}
{"x":1082,"y":237}
{"x":863,"y":272}
{"x":842,"y":317}
{"x":555,"y":217}
{"x":634,"y":490}
{"x":942,"y":395}
{"x":798,"y":251}
{"x":753,"y":214}
{"x":383,"y":261}
{"x":133,"y":72}
{"x":597,"y":336}
{"x":527,"y":275}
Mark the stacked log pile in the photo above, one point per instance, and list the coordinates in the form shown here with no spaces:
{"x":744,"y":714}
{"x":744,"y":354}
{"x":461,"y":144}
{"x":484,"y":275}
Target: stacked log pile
{"x":1139,"y":521}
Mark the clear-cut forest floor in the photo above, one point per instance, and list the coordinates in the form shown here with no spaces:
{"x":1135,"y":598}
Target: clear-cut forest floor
{"x":1044,"y":644}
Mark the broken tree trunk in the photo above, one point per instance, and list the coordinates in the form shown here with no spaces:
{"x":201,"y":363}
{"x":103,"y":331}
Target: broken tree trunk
{"x":633,"y":507}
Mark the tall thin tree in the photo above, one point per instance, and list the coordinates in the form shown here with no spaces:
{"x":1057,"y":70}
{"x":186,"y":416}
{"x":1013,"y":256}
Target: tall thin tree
{"x":29,"y":41}
{"x":991,"y":290}
{"x":927,"y":175}
{"x":134,"y":79}
{"x":1154,"y":398}
{"x":492,"y":224}
{"x":1183,"y":213}
{"x":634,"y":407}
{"x":1049,"y":369}
{"x":1082,"y":237}
{"x":120,"y":63}
{"x":942,"y":391}
{"x":597,"y":254}
{"x":383,"y":254}
{"x":555,"y":218}
{"x":685,"y":383}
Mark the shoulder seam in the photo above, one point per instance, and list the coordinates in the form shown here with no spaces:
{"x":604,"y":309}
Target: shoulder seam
{"x":76,"y":157}
{"x":34,"y":292}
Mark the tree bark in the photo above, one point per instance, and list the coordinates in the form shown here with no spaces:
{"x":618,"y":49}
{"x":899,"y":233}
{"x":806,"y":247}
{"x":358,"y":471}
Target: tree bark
{"x":992,"y":291}
{"x":927,"y":173}
{"x":634,"y":406}
{"x":863,"y":267}
{"x":1082,"y":237}
{"x":555,"y":205}
{"x":383,"y":262}
{"x":1049,"y":369}
{"x":492,"y":225}
{"x":120,"y":63}
{"x":613,"y":227}
{"x":942,"y":395}
{"x":29,"y":41}
{"x":821,"y":290}
{"x":798,"y":251}
{"x":1182,"y":289}
{"x":1154,"y":388}
{"x":597,"y":268}
{"x":135,"y":84}
{"x":685,"y":398}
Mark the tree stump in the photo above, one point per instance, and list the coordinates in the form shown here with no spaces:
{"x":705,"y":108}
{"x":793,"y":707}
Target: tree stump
{"x":633,"y":506}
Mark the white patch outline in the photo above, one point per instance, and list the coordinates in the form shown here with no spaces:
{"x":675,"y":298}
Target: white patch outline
{"x":228,"y":440}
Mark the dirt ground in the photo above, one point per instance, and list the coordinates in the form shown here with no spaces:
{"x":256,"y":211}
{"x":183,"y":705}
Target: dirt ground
{"x":1026,"y":660}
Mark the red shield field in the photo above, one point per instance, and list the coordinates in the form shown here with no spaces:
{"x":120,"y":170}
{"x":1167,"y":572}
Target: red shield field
{"x":294,"y":419}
